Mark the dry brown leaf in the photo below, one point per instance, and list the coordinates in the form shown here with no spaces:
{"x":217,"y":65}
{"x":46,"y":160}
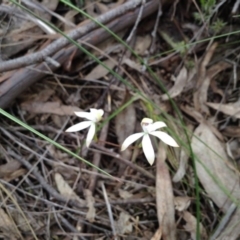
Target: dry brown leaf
{"x":212,"y":157}
{"x":6,"y":75}
{"x":66,"y":190}
{"x":43,"y":96}
{"x":233,"y":148}
{"x":124,"y":225}
{"x":8,"y":227}
{"x":182,"y":203}
{"x":209,"y":75}
{"x":28,"y":221}
{"x":108,"y":46}
{"x":157,"y":234}
{"x":9,"y":168}
{"x":232,"y":131}
{"x":124,"y":194}
{"x":99,"y":71}
{"x":58,"y":121}
{"x":69,"y":20}
{"x":215,"y":88}
{"x":90,"y":204}
{"x":191,"y":226}
{"x":217,"y":68}
{"x":97,"y":8}
{"x":202,"y":96}
{"x":193,"y":113}
{"x":203,"y":81}
{"x":164,"y":197}
{"x":12,"y":169}
{"x":231,"y":109}
{"x":16,"y":174}
{"x":57,"y":154}
{"x":183,"y":158}
{"x":231,"y":230}
{"x":9,"y":173}
{"x":142,"y":44}
{"x":90,"y":8}
{"x":101,"y":8}
{"x":49,"y":107}
{"x":178,"y":86}
{"x":132,"y":64}
{"x":200,"y":119}
{"x":125,"y":123}
{"x":182,"y":166}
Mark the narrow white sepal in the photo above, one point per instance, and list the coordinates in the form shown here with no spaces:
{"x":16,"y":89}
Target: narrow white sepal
{"x":79,"y":126}
{"x":90,"y":134}
{"x":155,"y":126}
{"x":165,"y":138}
{"x":129,"y":140}
{"x":87,"y":115}
{"x":148,"y":149}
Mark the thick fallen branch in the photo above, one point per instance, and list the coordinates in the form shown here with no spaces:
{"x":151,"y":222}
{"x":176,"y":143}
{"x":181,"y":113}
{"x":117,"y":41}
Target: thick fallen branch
{"x":55,"y":46}
{"x":23,"y":78}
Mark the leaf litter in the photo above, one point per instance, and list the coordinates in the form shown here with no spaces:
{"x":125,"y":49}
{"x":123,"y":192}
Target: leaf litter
{"x":200,"y":79}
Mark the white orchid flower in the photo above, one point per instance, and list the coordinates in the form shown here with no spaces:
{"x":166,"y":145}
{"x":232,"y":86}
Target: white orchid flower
{"x":149,"y":128}
{"x":94,"y":116}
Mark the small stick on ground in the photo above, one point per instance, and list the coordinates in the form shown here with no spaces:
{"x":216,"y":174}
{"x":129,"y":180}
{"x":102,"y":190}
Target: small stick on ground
{"x":127,"y":162}
{"x":109,"y":211}
{"x":68,"y":225}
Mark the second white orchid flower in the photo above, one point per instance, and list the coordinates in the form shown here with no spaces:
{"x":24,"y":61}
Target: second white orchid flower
{"x":94,"y":116}
{"x":149,"y":128}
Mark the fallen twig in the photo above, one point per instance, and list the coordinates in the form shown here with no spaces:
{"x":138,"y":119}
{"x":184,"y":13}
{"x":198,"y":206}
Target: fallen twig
{"x":125,"y":161}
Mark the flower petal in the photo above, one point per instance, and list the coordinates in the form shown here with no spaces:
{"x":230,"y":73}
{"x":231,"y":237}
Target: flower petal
{"x":98,"y":113}
{"x":165,"y":138}
{"x":155,"y":126}
{"x":129,"y":140}
{"x":87,"y":115}
{"x":90,"y":134}
{"x":79,"y":126}
{"x":148,"y":149}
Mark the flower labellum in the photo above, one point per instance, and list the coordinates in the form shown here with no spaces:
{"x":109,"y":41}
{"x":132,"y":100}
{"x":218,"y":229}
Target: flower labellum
{"x":149,"y":128}
{"x":94,"y":116}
